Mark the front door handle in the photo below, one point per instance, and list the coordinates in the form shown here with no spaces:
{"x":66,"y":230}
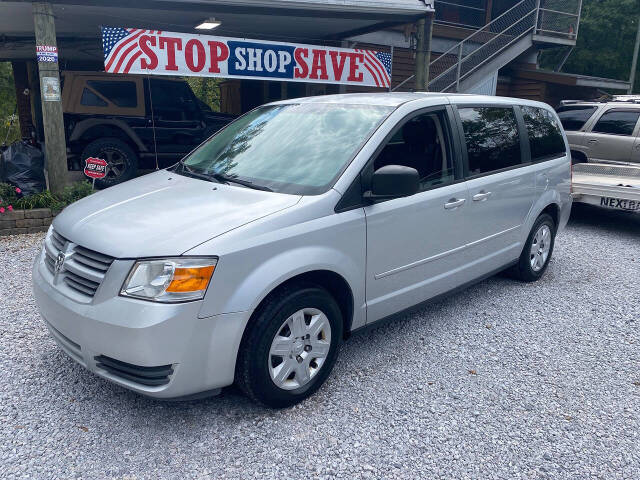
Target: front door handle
{"x":454,"y":203}
{"x":593,"y":140}
{"x":482,"y":196}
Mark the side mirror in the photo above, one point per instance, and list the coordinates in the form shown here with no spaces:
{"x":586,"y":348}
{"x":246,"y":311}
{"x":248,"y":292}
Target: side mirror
{"x":393,"y":181}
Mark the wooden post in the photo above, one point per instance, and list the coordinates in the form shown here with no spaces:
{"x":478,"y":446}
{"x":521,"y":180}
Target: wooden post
{"x":428,"y":33}
{"x":423,"y":52}
{"x":23,"y":100}
{"x":459,"y":67}
{"x":55,"y":145}
{"x":420,"y":44}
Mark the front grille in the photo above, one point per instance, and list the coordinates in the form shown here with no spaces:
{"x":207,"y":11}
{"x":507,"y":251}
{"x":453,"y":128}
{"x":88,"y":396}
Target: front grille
{"x":83,"y":270}
{"x":149,"y":376}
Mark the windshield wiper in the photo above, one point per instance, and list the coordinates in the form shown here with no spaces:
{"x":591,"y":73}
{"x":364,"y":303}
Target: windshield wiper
{"x":192,"y":173}
{"x":221,"y":177}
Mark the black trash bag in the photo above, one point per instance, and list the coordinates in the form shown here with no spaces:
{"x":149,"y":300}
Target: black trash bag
{"x":23,"y":166}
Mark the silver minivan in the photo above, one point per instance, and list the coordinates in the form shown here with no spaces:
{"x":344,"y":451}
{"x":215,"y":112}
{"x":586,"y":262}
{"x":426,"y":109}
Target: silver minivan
{"x":303,"y":221}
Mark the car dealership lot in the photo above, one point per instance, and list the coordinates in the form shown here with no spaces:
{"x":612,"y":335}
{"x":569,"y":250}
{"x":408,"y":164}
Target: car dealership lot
{"x":504,"y":380}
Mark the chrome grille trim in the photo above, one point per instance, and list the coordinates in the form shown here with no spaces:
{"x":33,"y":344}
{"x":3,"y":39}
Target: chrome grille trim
{"x":84,"y":269}
{"x":92,"y":259}
{"x":58,"y":240}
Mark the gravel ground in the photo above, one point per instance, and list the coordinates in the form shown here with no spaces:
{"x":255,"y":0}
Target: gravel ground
{"x":504,"y":380}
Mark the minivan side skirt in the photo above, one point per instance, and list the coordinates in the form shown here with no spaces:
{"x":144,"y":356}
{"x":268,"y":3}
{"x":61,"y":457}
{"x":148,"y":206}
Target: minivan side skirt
{"x":414,"y":308}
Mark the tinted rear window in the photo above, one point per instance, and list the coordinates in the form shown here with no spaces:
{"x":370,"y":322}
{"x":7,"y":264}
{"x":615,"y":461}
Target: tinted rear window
{"x":90,"y":99}
{"x":617,"y":122}
{"x":545,"y":136}
{"x":123,"y":94}
{"x":491,"y":135}
{"x":573,"y":118}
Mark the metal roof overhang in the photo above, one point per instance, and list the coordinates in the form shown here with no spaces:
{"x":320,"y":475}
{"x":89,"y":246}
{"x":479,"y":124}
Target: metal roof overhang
{"x":570,"y":79}
{"x":304,"y":21}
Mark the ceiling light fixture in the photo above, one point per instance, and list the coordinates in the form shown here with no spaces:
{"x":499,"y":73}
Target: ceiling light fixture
{"x":209,"y":24}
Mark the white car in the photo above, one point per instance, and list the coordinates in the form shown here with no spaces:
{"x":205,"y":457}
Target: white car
{"x":604,"y":138}
{"x":301,"y":222}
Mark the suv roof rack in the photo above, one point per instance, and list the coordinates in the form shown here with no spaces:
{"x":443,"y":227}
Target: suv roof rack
{"x":626,"y":98}
{"x":571,"y":102}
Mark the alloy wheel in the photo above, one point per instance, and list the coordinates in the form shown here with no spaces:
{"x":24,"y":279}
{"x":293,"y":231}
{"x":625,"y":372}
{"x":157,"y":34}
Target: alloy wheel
{"x":116,"y":162}
{"x":540,"y":248}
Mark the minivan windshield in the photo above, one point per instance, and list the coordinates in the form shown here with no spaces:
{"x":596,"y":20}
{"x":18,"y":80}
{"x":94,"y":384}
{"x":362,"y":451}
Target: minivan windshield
{"x":289,"y":148}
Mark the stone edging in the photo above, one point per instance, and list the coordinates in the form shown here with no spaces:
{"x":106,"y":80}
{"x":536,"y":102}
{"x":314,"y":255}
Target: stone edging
{"x":25,"y":221}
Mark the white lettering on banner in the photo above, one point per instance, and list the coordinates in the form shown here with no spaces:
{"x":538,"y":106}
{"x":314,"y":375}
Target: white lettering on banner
{"x":155,"y":52}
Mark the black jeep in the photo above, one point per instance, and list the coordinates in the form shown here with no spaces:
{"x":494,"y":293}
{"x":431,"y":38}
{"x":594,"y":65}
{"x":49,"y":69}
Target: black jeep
{"x":109,"y":117}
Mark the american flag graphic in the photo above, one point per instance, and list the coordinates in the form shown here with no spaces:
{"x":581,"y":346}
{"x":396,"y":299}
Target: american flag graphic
{"x":379,"y":65}
{"x":121,"y":49}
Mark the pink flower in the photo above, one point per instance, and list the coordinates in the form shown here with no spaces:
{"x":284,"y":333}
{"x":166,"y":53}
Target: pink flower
{"x":10,"y":208}
{"x":18,"y":190}
{"x":1,"y":209}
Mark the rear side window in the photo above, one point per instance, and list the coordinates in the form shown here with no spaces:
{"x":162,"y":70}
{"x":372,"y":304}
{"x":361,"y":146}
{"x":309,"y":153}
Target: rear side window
{"x":172,"y":100}
{"x":122,"y":94}
{"x":617,"y":122}
{"x":491,"y":135}
{"x":545,"y":137}
{"x":90,"y":99}
{"x":573,"y":118}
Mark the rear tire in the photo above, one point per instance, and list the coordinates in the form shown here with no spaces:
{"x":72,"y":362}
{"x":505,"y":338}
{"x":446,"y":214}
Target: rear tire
{"x":122,"y":161}
{"x":537,"y":251}
{"x":279,"y":366}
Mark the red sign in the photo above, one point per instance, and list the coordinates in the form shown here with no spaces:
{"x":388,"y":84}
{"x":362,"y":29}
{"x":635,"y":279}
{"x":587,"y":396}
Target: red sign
{"x":95,"y":168}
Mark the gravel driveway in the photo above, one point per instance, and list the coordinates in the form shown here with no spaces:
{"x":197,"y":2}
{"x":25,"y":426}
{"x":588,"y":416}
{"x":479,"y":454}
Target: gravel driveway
{"x":505,"y":380}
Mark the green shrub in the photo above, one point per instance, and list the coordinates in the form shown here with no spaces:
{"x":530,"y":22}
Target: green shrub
{"x":9,"y":195}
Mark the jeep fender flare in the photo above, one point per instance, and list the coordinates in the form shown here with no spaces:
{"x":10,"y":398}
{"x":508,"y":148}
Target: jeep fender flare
{"x":84,"y":125}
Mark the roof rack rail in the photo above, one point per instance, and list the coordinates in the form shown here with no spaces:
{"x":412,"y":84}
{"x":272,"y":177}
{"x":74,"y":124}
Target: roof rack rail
{"x":571,"y":102}
{"x":626,"y":98}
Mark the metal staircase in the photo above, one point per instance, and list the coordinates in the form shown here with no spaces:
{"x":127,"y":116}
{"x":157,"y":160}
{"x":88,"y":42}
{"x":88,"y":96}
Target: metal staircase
{"x":484,"y":52}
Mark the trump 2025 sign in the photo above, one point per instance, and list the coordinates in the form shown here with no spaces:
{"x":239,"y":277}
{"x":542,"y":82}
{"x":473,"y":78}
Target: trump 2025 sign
{"x":132,"y":50}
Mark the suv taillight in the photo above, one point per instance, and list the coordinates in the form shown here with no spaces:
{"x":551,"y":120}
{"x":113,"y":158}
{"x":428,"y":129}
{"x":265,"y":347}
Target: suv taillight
{"x":571,"y":176}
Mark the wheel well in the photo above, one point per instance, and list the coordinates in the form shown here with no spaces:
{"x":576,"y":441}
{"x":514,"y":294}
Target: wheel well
{"x":578,"y":157}
{"x":334,"y":283}
{"x":104,"y":131}
{"x":554,"y":211}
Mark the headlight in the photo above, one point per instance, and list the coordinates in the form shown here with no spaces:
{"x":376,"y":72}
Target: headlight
{"x":169,"y":280}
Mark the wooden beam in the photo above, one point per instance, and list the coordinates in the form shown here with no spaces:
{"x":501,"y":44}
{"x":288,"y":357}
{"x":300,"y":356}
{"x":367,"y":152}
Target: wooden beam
{"x":53,"y":121}
{"x":23,"y":97}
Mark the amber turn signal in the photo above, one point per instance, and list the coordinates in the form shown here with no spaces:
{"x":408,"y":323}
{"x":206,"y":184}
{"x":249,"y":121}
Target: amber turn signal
{"x":191,"y":279}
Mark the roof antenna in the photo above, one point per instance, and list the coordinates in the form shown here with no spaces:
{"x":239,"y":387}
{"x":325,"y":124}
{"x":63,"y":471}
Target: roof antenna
{"x":153,"y":122}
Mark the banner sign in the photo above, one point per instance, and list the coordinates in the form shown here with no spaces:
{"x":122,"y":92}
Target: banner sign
{"x":47,"y":53}
{"x":154,"y":52}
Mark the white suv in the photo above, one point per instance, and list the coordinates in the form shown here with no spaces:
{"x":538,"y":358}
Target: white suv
{"x":301,"y":222}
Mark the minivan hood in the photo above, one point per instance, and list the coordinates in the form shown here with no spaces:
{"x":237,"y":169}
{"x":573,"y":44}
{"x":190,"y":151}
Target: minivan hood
{"x":163,"y":214}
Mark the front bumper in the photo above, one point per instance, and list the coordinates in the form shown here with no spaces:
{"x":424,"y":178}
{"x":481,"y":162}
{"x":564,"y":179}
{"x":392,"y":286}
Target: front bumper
{"x":201,"y":352}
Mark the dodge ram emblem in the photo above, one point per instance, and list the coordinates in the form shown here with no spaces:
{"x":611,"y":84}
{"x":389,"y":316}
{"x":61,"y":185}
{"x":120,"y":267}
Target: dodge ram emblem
{"x":59,"y":265}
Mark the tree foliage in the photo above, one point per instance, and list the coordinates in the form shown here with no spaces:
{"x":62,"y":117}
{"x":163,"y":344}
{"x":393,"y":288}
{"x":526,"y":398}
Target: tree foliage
{"x":605,"y":41}
{"x":7,"y":105}
{"x":206,"y":89}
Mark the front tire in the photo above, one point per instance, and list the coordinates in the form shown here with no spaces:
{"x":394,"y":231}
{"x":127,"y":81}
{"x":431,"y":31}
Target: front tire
{"x":290,"y":346}
{"x":537,"y":251}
